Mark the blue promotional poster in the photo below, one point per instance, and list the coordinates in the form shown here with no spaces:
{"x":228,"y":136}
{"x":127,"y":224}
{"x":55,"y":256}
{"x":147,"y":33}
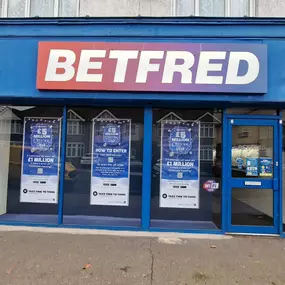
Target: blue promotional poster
{"x":180,"y":169}
{"x":251,"y":166}
{"x":239,"y":162}
{"x":110,"y":175}
{"x":40,"y":160}
{"x":265,"y":166}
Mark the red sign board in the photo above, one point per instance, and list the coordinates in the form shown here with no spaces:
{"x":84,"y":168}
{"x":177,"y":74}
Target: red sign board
{"x":168,"y":67}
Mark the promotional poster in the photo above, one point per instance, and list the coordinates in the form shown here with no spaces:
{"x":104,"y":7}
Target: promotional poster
{"x":265,"y":166}
{"x":251,"y":166}
{"x":40,"y":160}
{"x":110,"y":178}
{"x":180,"y":169}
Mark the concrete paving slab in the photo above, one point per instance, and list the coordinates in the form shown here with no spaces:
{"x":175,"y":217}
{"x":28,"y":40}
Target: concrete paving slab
{"x":35,"y":257}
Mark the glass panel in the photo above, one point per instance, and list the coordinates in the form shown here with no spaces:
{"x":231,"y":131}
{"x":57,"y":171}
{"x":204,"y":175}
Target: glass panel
{"x":283,"y":169}
{"x":252,"y":151}
{"x":186,"y":190}
{"x":67,"y":8}
{"x":42,"y":8}
{"x":185,"y":8}
{"x":251,"y":111}
{"x":252,"y":207}
{"x":98,"y":198}
{"x":212,"y":8}
{"x":16,"y":8}
{"x":29,"y":164}
{"x":239,"y":8}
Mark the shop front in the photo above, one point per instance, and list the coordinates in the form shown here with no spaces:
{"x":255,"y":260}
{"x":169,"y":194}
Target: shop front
{"x":139,"y":124}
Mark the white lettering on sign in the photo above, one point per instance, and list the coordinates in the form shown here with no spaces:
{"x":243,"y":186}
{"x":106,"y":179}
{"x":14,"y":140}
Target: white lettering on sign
{"x":122,"y":57}
{"x":145,"y":66}
{"x":85,"y":64}
{"x":205,"y":65}
{"x":184,"y":69}
{"x":211,"y":68}
{"x":54,"y":63}
{"x":234,"y":63}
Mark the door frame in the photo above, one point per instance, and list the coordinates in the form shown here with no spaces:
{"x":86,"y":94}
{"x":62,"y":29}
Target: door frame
{"x":274,"y":120}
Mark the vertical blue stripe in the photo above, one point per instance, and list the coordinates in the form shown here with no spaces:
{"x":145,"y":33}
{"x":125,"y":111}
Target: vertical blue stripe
{"x":280,"y":149}
{"x":224,"y":172}
{"x":62,"y":165}
{"x":147,"y":157}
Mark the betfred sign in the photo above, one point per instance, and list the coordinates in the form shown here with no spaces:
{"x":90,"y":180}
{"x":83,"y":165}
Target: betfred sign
{"x":167,"y":67}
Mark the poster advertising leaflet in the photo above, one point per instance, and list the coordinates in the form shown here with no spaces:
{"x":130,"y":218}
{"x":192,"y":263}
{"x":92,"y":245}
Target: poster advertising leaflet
{"x":40,"y":160}
{"x":180,"y":165}
{"x":110,"y":175}
{"x":265,"y":167}
{"x":252,"y":166}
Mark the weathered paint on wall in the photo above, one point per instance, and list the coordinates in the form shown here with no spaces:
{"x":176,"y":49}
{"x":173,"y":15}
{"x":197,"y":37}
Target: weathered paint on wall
{"x":125,"y":8}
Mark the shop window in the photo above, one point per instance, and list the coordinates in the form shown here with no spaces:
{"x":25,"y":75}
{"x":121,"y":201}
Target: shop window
{"x":214,"y":8}
{"x":251,"y":111}
{"x":40,"y":8}
{"x":206,"y":153}
{"x":186,"y":166}
{"x":30,"y":163}
{"x":105,"y":185}
{"x":283,"y":170}
{"x":243,"y":133}
{"x":75,"y":150}
{"x":75,"y":128}
{"x":207,"y":130}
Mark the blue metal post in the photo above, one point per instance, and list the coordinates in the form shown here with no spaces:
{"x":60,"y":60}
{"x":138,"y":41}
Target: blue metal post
{"x":280,"y":153}
{"x":62,"y":165}
{"x":147,"y":157}
{"x":224,"y":172}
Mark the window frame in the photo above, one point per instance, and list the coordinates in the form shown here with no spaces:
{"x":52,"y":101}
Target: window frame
{"x":78,"y":146}
{"x":252,"y":8}
{"x":56,"y":8}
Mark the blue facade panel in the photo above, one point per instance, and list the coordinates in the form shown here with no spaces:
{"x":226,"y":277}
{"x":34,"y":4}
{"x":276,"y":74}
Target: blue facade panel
{"x":19,"y":45}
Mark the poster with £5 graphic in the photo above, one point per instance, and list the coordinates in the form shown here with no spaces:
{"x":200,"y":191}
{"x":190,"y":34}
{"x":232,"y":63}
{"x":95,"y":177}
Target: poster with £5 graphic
{"x":180,"y":168}
{"x":40,"y":160}
{"x":110,"y":175}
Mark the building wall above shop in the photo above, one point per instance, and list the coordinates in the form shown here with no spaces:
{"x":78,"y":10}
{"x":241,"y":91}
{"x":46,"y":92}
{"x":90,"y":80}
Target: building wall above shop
{"x":149,"y":8}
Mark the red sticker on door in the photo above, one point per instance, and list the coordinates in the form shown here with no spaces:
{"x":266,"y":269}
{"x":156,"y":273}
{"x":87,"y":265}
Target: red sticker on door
{"x":211,"y":185}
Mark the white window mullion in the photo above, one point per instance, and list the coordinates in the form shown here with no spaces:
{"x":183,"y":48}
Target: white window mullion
{"x":173,"y":8}
{"x":196,"y":7}
{"x":28,"y":8}
{"x":4,"y":11}
{"x":78,"y":8}
{"x":252,"y":8}
{"x":56,"y":8}
{"x":228,"y":8}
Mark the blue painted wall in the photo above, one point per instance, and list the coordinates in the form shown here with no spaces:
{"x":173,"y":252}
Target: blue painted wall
{"x":19,"y":42}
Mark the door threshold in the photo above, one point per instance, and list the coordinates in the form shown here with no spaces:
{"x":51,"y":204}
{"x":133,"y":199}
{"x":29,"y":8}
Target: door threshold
{"x":252,"y":234}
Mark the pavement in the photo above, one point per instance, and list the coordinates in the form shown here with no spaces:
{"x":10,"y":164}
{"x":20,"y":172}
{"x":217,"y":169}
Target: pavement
{"x":31,"y":256}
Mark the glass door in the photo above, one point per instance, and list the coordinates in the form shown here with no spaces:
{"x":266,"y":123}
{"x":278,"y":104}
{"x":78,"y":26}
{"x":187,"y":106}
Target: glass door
{"x":252,"y":183}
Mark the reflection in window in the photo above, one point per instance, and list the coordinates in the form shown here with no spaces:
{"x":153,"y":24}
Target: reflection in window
{"x":79,"y":205}
{"x":75,"y":150}
{"x":207,"y":215}
{"x":207,"y":130}
{"x":214,"y":8}
{"x":20,"y":171}
{"x":41,"y":8}
{"x":251,"y":144}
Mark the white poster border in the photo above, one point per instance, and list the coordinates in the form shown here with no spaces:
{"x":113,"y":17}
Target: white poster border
{"x":92,"y":156}
{"x":58,"y":160}
{"x":161,"y":158}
